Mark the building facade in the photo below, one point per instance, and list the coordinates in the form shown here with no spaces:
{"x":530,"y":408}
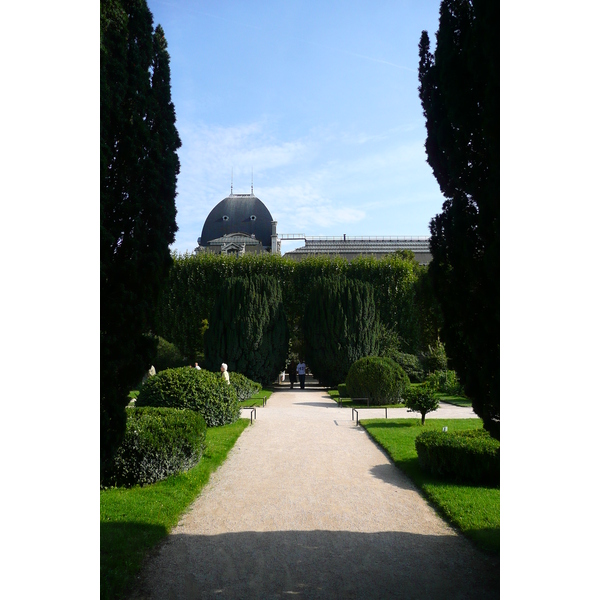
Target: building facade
{"x":241,"y":224}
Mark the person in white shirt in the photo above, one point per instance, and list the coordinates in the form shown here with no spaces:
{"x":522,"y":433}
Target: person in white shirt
{"x":301,"y":370}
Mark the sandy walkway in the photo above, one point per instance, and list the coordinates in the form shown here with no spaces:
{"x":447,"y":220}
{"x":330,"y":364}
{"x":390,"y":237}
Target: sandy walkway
{"x":306,"y":505}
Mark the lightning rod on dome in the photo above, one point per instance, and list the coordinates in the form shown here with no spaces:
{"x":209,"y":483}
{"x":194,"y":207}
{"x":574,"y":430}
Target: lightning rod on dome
{"x":252,"y":182}
{"x":232,"y":181}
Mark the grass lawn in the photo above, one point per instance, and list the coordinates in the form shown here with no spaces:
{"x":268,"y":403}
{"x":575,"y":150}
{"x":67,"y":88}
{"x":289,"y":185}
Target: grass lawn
{"x":474,"y":510}
{"x":349,"y":403}
{"x":257,"y":399}
{"x":456,"y":400}
{"x":134,"y":520}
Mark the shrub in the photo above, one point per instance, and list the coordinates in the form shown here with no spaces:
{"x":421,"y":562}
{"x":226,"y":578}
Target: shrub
{"x":435,"y":358}
{"x":168,"y":356}
{"x":158,"y":442}
{"x":445,"y":382}
{"x":421,"y":399}
{"x":244,"y":388}
{"x":380,"y":379}
{"x":411,"y":364}
{"x":202,"y":391}
{"x":466,"y":456}
{"x":343,"y":390}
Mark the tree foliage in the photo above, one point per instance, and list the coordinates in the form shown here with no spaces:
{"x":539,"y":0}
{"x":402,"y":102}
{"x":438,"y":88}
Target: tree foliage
{"x":340,"y":325}
{"x":248,"y":329}
{"x":459,"y":91}
{"x":194,"y":282}
{"x":138,"y":174}
{"x":380,"y":379}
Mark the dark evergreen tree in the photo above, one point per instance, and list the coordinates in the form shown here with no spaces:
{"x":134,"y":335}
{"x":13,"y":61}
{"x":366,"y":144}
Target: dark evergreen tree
{"x":340,"y":325}
{"x":248,"y":329}
{"x":138,"y":174}
{"x":460,"y":94}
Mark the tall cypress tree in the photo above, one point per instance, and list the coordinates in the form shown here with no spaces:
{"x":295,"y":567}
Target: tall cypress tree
{"x":248,"y":329}
{"x":460,"y":94}
{"x":340,"y":325}
{"x":138,"y":171}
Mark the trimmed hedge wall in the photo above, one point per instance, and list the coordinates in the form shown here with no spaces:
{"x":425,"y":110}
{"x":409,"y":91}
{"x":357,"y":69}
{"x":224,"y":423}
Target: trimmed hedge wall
{"x":203,"y":391}
{"x":466,"y":456}
{"x":158,"y":442}
{"x":380,"y":379}
{"x":244,"y":388}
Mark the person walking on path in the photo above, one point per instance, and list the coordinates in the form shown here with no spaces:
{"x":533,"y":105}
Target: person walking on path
{"x":301,"y":369}
{"x":291,"y":370}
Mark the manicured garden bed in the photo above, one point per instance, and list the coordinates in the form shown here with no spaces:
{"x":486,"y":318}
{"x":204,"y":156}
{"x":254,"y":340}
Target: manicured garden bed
{"x":257,"y":399}
{"x":134,"y":520}
{"x":349,"y":403}
{"x":473,"y":509}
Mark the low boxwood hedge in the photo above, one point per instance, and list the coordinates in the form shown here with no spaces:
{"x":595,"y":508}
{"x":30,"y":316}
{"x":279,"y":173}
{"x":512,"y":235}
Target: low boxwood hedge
{"x":158,"y":442}
{"x":244,"y":387}
{"x":465,"y":456}
{"x":380,"y":379}
{"x":203,"y":391}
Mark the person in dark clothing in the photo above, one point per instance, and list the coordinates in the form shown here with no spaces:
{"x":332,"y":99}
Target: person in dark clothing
{"x":291,"y":370}
{"x":301,"y":368}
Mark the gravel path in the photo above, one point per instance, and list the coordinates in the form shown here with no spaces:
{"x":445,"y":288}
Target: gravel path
{"x":307,"y":506}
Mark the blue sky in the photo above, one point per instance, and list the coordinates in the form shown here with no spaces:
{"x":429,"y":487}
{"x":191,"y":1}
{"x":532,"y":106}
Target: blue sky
{"x":317,"y":102}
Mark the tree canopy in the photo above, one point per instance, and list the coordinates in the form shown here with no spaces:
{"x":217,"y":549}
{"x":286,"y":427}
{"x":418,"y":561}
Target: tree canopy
{"x":138,"y":175}
{"x":460,"y":94}
{"x":248,"y":329}
{"x":340,"y":325}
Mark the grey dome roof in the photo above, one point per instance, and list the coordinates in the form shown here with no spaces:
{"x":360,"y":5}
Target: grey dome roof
{"x":238,"y":213}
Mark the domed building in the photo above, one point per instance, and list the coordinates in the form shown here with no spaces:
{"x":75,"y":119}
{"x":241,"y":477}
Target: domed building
{"x":239,"y":224}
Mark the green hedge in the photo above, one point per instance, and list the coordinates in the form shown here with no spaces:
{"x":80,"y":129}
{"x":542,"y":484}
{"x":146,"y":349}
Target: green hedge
{"x":168,"y":356}
{"x":466,"y":456}
{"x":446,"y":382}
{"x":244,"y":387}
{"x":203,"y":391}
{"x":343,"y":390}
{"x":380,"y":379}
{"x":340,"y":325}
{"x":158,"y":442}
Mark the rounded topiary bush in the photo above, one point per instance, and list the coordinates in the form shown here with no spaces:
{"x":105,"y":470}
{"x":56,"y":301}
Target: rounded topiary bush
{"x":466,"y":456}
{"x":158,"y":442}
{"x":343,"y":390}
{"x":380,"y":379}
{"x":203,"y":391}
{"x":244,"y":387}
